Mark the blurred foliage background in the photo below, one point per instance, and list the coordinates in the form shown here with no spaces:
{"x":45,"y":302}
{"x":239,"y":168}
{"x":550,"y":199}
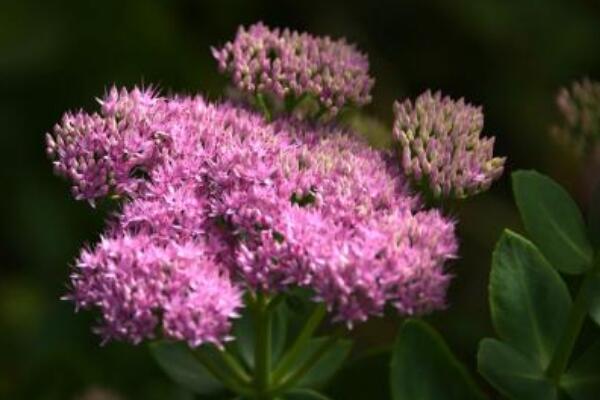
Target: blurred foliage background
{"x":510,"y":56}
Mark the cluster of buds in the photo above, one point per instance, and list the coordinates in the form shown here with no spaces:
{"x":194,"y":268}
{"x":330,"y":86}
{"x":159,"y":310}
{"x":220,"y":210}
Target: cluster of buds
{"x":441,"y":148}
{"x":288,"y":64}
{"x":580,"y":109}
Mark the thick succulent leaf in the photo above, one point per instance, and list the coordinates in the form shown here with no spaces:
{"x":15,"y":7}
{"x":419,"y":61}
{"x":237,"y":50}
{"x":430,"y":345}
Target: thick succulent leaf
{"x":178,"y":361}
{"x":513,"y":374}
{"x":304,"y":394}
{"x":423,"y":367}
{"x":594,"y":235}
{"x":593,"y":219}
{"x":582,"y":380}
{"x":553,"y":221}
{"x":243,"y":332}
{"x":245,"y":339}
{"x":327,"y":366}
{"x":594,"y":297}
{"x":529,"y":301}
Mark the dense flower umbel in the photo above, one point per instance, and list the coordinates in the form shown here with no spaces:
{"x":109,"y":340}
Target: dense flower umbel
{"x":580,"y":109}
{"x":138,"y":285}
{"x":440,"y":145}
{"x":105,"y":153}
{"x":356,"y":229}
{"x":229,"y":202}
{"x":288,"y":63}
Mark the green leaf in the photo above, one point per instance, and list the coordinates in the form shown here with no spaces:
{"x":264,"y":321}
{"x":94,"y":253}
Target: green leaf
{"x":594,"y":297}
{"x":304,"y":394}
{"x":582,"y":380}
{"x":327,"y":366}
{"x":594,"y":235}
{"x":512,"y":374}
{"x":178,"y":361}
{"x":243,"y":331}
{"x":593,"y":219}
{"x":423,"y":367}
{"x":245,"y":339}
{"x":553,"y":221}
{"x":529,"y":301}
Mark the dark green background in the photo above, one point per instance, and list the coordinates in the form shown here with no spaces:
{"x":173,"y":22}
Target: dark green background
{"x":508,"y":55}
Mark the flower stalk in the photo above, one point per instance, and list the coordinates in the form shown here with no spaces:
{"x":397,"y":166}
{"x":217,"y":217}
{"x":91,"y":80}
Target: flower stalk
{"x":262,"y":360}
{"x":228,"y":380}
{"x":235,"y":367}
{"x":295,"y":376}
{"x":300,"y":343}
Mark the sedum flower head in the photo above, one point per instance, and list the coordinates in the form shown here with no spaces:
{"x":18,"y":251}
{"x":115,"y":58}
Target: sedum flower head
{"x":228,"y":202}
{"x":441,"y":148}
{"x":142,"y":288}
{"x":580,"y":109}
{"x":105,"y":153}
{"x":286,"y":63}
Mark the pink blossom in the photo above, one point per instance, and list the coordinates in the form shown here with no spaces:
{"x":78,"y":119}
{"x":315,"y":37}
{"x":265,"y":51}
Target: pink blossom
{"x":229,"y":202}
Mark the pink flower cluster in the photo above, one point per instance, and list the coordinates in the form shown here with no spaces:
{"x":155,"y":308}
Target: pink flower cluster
{"x":579,"y":106}
{"x":136,"y":283}
{"x":228,"y":202}
{"x":288,"y":63}
{"x":105,"y":153}
{"x":441,"y":147}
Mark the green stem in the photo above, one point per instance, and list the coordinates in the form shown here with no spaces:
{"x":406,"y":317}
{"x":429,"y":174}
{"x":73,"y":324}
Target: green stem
{"x":235,"y":367}
{"x":300,"y":343}
{"x":577,"y":315}
{"x":228,"y":381}
{"x":292,"y":378}
{"x":262,"y":353}
{"x":275,"y":302}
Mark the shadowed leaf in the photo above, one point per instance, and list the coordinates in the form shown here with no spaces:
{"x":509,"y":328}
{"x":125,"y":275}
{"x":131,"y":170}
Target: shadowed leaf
{"x":553,"y":221}
{"x":423,"y":367}
{"x":177,"y":360}
{"x":528,"y":299}
{"x":511,"y":373}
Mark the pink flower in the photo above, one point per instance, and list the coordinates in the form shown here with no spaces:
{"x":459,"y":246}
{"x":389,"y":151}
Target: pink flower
{"x":229,"y":202}
{"x":142,"y":288}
